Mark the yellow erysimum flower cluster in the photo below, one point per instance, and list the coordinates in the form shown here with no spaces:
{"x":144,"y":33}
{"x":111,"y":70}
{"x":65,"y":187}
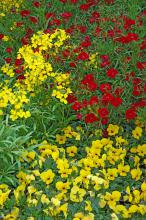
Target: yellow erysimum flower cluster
{"x":7,"y":5}
{"x":107,"y":174}
{"x":37,"y":70}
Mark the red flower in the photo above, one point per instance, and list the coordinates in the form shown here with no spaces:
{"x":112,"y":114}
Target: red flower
{"x":19,"y":24}
{"x":74,"y":1}
{"x":116,"y":102}
{"x":93,"y":100}
{"x":72,"y":64}
{"x":86,"y":43}
{"x":137,"y":90}
{"x":88,"y":78}
{"x":90,"y":118}
{"x":141,"y":65}
{"x":76,"y":106}
{"x":82,"y":29}
{"x":18,"y":62}
{"x":66,"y":53}
{"x":8,"y":49}
{"x":33,"y":19}
{"x":111,"y":73}
{"x":49,"y":15}
{"x":130,"y":114}
{"x":104,"y":121}
{"x":66,"y":15}
{"x":103,"y":112}
{"x":109,"y":2}
{"x":8,"y":60}
{"x":105,"y":87}
{"x":107,"y":98}
{"x":84,"y":7}
{"x":36,"y":4}
{"x":83,"y":56}
{"x":1,"y":36}
{"x":25,"y":13}
{"x":92,"y":86}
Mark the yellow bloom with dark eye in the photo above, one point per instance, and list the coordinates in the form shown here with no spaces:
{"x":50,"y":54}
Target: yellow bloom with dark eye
{"x":114,"y":216}
{"x":143,"y":188}
{"x":136,"y":196}
{"x":121,"y":209}
{"x":61,"y":139}
{"x":136,"y":174}
{"x":129,"y":196}
{"x":112,"y":129}
{"x":137,"y":132}
{"x":63,"y":208}
{"x":72,"y":150}
{"x":19,"y":191}
{"x":13,"y":215}
{"x":123,"y":170}
{"x":141,"y":150}
{"x":61,"y":186}
{"x":3,"y":197}
{"x":133,"y":209}
{"x":44,"y":199}
{"x":78,"y":216}
{"x":47,"y":176}
{"x":112,"y":198}
{"x":88,"y":206}
{"x":77,"y":194}
{"x":111,"y":173}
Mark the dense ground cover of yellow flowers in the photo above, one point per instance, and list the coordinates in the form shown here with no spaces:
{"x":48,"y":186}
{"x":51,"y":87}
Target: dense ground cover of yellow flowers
{"x":37,"y":73}
{"x":7,"y":5}
{"x":72,"y":178}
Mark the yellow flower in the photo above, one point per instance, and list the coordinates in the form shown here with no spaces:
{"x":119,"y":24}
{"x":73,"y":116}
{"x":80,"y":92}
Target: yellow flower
{"x":63,"y":186}
{"x":72,"y":150}
{"x":136,"y":174}
{"x":143,"y":188}
{"x":13,"y":215}
{"x":77,"y":194}
{"x":63,"y":208}
{"x":133,"y":209}
{"x":137,"y":132}
{"x":121,"y":209}
{"x":112,"y":129}
{"x":3,"y":197}
{"x":111,"y":173}
{"x":114,"y":216}
{"x":60,"y":139}
{"x":47,"y":176}
{"x":44,"y":199}
{"x":88,"y":206}
{"x":112,"y":198}
{"x":123,"y":170}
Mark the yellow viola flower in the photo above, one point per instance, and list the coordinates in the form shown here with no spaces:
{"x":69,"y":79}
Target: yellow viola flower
{"x":13,"y":215}
{"x":132,"y":209}
{"x":61,"y":139}
{"x":121,"y":209}
{"x":61,"y":186}
{"x":47,"y":176}
{"x":136,"y":173}
{"x":114,"y":216}
{"x":111,"y":173}
{"x":112,"y":129}
{"x":44,"y":199}
{"x":72,"y":150}
{"x":143,"y":193}
{"x":137,"y":132}
{"x":112,"y":198}
{"x":123,"y":169}
{"x":77,"y":194}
